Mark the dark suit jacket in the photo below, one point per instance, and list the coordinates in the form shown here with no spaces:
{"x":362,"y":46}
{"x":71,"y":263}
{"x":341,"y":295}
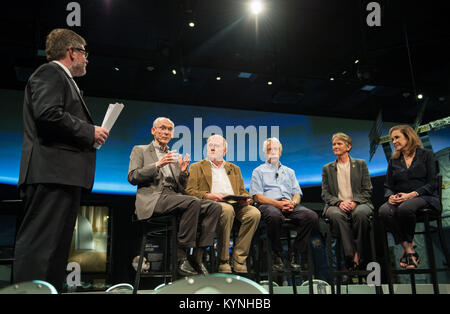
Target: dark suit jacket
{"x":144,"y":173}
{"x":58,"y":131}
{"x":360,"y":181}
{"x":200,"y":179}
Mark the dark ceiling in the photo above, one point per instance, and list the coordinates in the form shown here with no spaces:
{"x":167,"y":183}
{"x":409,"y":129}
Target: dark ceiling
{"x":299,"y":45}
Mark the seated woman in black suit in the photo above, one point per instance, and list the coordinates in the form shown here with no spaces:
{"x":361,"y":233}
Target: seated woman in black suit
{"x":346,"y":191}
{"x":410,"y":185}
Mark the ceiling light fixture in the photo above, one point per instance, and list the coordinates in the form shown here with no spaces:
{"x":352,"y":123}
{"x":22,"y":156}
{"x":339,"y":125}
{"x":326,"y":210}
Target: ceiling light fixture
{"x":256,"y":7}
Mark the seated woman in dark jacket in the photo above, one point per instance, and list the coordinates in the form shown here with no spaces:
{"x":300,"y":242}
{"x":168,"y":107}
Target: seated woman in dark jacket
{"x":346,"y":191}
{"x":410,"y":185}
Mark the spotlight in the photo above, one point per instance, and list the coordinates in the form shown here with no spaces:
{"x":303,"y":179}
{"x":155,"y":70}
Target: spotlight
{"x":256,"y":7}
{"x":269,"y":83}
{"x":420,"y":96}
{"x":218,"y":78}
{"x":174,"y":72}
{"x":356,"y":61}
{"x":116,"y":69}
{"x":191,"y":24}
{"x":331,"y":78}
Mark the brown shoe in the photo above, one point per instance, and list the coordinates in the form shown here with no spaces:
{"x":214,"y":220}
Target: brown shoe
{"x":239,"y":267}
{"x":224,"y":267}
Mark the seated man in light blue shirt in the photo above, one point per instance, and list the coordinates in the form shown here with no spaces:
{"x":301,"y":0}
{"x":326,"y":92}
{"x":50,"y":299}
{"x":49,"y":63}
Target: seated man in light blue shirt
{"x":276,"y":189}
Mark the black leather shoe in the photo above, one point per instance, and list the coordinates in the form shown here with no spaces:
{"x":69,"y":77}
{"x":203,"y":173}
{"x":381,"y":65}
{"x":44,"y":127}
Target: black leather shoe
{"x":277,"y":264}
{"x":293,"y":262}
{"x":185,"y":268}
{"x":201,"y":269}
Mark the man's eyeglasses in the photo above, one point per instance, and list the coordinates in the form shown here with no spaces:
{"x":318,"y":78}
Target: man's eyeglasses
{"x":163,"y":128}
{"x":82,"y":50}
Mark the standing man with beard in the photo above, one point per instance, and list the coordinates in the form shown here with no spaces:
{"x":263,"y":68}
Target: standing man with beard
{"x":57,"y":162}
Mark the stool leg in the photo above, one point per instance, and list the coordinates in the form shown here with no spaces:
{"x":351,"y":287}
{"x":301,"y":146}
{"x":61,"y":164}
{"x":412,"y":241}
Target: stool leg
{"x":443,"y":241}
{"x":141,"y":260}
{"x":174,"y":229}
{"x":330,"y":259}
{"x":378,"y":289}
{"x":166,"y":253}
{"x":269,"y":265}
{"x":310,"y":269}
{"x":293,"y":276}
{"x":338,"y":265}
{"x":431,"y":258}
{"x":387,"y":260}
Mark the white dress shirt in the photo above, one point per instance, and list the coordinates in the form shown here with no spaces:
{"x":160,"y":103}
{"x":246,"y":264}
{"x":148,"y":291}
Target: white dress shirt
{"x":220,"y":181}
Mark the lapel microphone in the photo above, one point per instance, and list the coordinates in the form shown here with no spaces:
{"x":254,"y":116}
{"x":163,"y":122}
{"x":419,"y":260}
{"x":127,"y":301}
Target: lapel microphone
{"x":229,"y":171}
{"x":276,"y":175}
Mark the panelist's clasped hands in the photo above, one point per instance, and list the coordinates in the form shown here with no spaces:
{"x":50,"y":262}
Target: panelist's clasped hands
{"x":347,"y":206}
{"x":401,"y":197}
{"x":285,"y":205}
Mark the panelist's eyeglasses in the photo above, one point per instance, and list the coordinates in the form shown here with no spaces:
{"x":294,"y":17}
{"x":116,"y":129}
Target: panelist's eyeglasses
{"x":86,"y":53}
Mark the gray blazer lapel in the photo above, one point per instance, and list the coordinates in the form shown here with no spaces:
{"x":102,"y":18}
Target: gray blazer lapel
{"x":152,"y":153}
{"x":334,"y":183}
{"x":355,"y":176}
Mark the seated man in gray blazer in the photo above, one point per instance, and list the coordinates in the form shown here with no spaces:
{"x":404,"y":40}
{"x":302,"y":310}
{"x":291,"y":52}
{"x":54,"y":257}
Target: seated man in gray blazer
{"x":346,"y":191}
{"x":161,"y":176}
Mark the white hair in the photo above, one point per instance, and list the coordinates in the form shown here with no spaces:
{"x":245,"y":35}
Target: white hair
{"x":219,"y":136}
{"x":269,"y":140}
{"x":157,"y":120}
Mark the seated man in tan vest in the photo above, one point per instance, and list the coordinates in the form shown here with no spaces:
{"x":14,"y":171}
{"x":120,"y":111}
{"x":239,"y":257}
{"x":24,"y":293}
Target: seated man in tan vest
{"x":213,"y":178}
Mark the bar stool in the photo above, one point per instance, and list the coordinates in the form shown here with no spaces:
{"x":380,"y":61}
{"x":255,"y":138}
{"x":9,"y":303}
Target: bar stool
{"x":424,"y":216}
{"x":337,"y":272}
{"x":10,"y":208}
{"x":165,"y":226}
{"x":264,"y":246}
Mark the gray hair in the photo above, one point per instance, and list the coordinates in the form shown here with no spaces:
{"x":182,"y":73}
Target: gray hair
{"x":157,"y":120}
{"x":219,"y":136}
{"x":272,"y":139}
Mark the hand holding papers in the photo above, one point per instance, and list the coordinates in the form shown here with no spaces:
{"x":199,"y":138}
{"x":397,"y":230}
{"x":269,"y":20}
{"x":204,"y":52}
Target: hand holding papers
{"x":110,"y":118}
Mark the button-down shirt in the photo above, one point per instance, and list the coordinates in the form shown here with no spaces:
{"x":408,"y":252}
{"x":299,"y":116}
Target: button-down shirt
{"x":160,"y":152}
{"x":220,"y":182}
{"x":276,"y":182}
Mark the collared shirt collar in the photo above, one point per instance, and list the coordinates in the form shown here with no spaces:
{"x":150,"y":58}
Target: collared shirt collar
{"x":159,"y":148}
{"x":272,"y":166}
{"x":64,"y":68}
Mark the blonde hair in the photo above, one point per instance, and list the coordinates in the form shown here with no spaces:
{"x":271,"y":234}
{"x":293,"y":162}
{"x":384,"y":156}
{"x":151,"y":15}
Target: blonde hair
{"x":413,"y":139}
{"x":343,"y":137}
{"x":59,"y":40}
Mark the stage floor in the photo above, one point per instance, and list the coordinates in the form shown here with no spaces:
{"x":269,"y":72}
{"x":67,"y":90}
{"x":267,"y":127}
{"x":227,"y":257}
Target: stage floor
{"x":345,"y":289}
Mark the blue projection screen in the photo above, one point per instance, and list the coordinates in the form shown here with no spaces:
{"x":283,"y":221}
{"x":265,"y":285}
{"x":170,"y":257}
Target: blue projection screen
{"x":306,"y":140}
